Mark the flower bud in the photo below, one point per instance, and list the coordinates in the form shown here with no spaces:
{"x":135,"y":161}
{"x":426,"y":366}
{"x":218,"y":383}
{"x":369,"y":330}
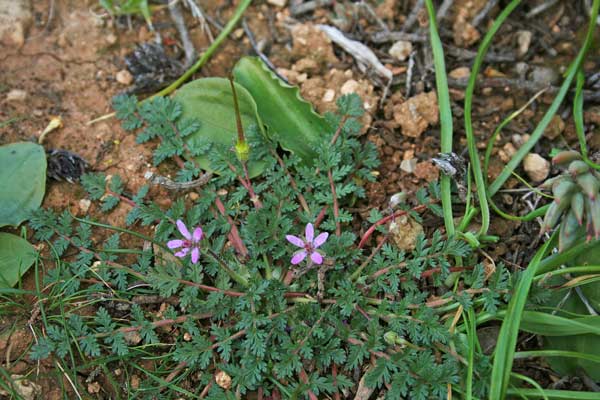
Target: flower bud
{"x":242,"y":151}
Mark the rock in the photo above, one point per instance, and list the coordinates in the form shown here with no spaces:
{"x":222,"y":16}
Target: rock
{"x":404,"y":231}
{"x":523,"y":42}
{"x":544,"y":75}
{"x":427,"y":171}
{"x":464,"y":33}
{"x":111,"y":39}
{"x":223,"y":380}
{"x":311,"y":42}
{"x":329,"y":96}
{"x":401,"y":50}
{"x":408,"y":165}
{"x":84,"y":205}
{"x":521,"y":69}
{"x":416,"y":114}
{"x":555,"y":127}
{"x":124,"y":77}
{"x":460,"y":73}
{"x":306,"y":64}
{"x":16,"y":95}
{"x":24,"y":388}
{"x":15,"y":18}
{"x":93,"y":388}
{"x":350,"y":86}
{"x":536,"y":166}
{"x":507,"y":152}
{"x":277,"y":3}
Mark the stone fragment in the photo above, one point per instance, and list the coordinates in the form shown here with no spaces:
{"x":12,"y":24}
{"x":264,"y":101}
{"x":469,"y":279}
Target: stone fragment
{"x":16,"y":95}
{"x":408,"y":165}
{"x":277,"y":3}
{"x":329,"y":96}
{"x":124,"y":77}
{"x":507,"y":152}
{"x":543,"y":75}
{"x":23,"y":388}
{"x":416,"y":114}
{"x":84,"y":205}
{"x":223,"y":380}
{"x":536,"y":166}
{"x":401,"y":50}
{"x":555,"y":127}
{"x":404,"y":231}
{"x":15,"y":18}
{"x":523,"y":42}
{"x":460,"y":73}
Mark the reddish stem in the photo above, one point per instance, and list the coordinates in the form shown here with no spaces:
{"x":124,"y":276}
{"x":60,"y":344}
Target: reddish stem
{"x":234,"y":234}
{"x":336,"y":210}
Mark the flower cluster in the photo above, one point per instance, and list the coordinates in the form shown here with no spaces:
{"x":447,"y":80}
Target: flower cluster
{"x":309,"y":246}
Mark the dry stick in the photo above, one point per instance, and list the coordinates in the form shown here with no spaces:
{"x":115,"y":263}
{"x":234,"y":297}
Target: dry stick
{"x":167,"y":183}
{"x":412,"y":17}
{"x":540,"y":9}
{"x":309,"y":6}
{"x":443,"y":10}
{"x":188,"y":46}
{"x":528,"y":86}
{"x":483,"y":13}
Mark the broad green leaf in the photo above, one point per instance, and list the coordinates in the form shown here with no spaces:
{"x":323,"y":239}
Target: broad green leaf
{"x":210,"y":101}
{"x":291,"y":120}
{"x":16,"y":256}
{"x":22,"y":181}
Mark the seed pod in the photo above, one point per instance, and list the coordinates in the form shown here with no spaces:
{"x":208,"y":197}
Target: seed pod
{"x":565,"y":157}
{"x":577,"y":206}
{"x":563,"y":190}
{"x":589,"y":184}
{"x":578,"y":167}
{"x":568,"y":231}
{"x":552,"y":216}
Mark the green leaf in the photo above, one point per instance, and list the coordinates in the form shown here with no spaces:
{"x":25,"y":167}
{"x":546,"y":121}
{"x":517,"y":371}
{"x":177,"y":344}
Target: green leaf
{"x":291,"y":120}
{"x":22,"y":179}
{"x":16,"y":256}
{"x":210,"y":101}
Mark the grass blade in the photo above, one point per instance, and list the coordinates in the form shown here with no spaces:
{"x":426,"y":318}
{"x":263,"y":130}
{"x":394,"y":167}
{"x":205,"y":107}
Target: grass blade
{"x":441,"y":83}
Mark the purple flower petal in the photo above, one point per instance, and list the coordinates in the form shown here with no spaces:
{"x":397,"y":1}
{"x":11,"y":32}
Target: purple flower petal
{"x":319,"y":240}
{"x":195,"y":255}
{"x":175,"y":244}
{"x":296,"y":241}
{"x":183,"y":230}
{"x":316,"y":258}
{"x":299,"y":256}
{"x":183,"y":252}
{"x":309,"y":233}
{"x":197,"y":234}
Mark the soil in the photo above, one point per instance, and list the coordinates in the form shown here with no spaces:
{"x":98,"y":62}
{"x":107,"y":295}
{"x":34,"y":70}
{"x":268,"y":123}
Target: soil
{"x":71,"y":63}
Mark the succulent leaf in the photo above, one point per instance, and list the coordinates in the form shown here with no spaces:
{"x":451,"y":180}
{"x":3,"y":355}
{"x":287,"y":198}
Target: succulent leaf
{"x":589,"y":184}
{"x":565,"y":157}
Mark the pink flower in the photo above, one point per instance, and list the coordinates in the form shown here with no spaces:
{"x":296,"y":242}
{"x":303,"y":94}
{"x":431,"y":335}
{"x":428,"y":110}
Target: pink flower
{"x":309,"y":246}
{"x":191,"y":242}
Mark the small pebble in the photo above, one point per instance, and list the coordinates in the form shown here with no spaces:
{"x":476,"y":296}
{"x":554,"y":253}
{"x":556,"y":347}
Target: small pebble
{"x":277,"y":3}
{"x":408,"y":165}
{"x":401,"y":50}
{"x":16,"y":95}
{"x":329,"y":96}
{"x":84,"y":205}
{"x":460,"y":73}
{"x":536,"y":166}
{"x":523,"y":42}
{"x":124,"y":77}
{"x":544,"y":75}
{"x":350,"y":86}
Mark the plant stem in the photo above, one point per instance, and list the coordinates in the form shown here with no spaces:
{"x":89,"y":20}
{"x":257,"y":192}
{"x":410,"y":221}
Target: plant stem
{"x":232,"y":274}
{"x":441,"y":82}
